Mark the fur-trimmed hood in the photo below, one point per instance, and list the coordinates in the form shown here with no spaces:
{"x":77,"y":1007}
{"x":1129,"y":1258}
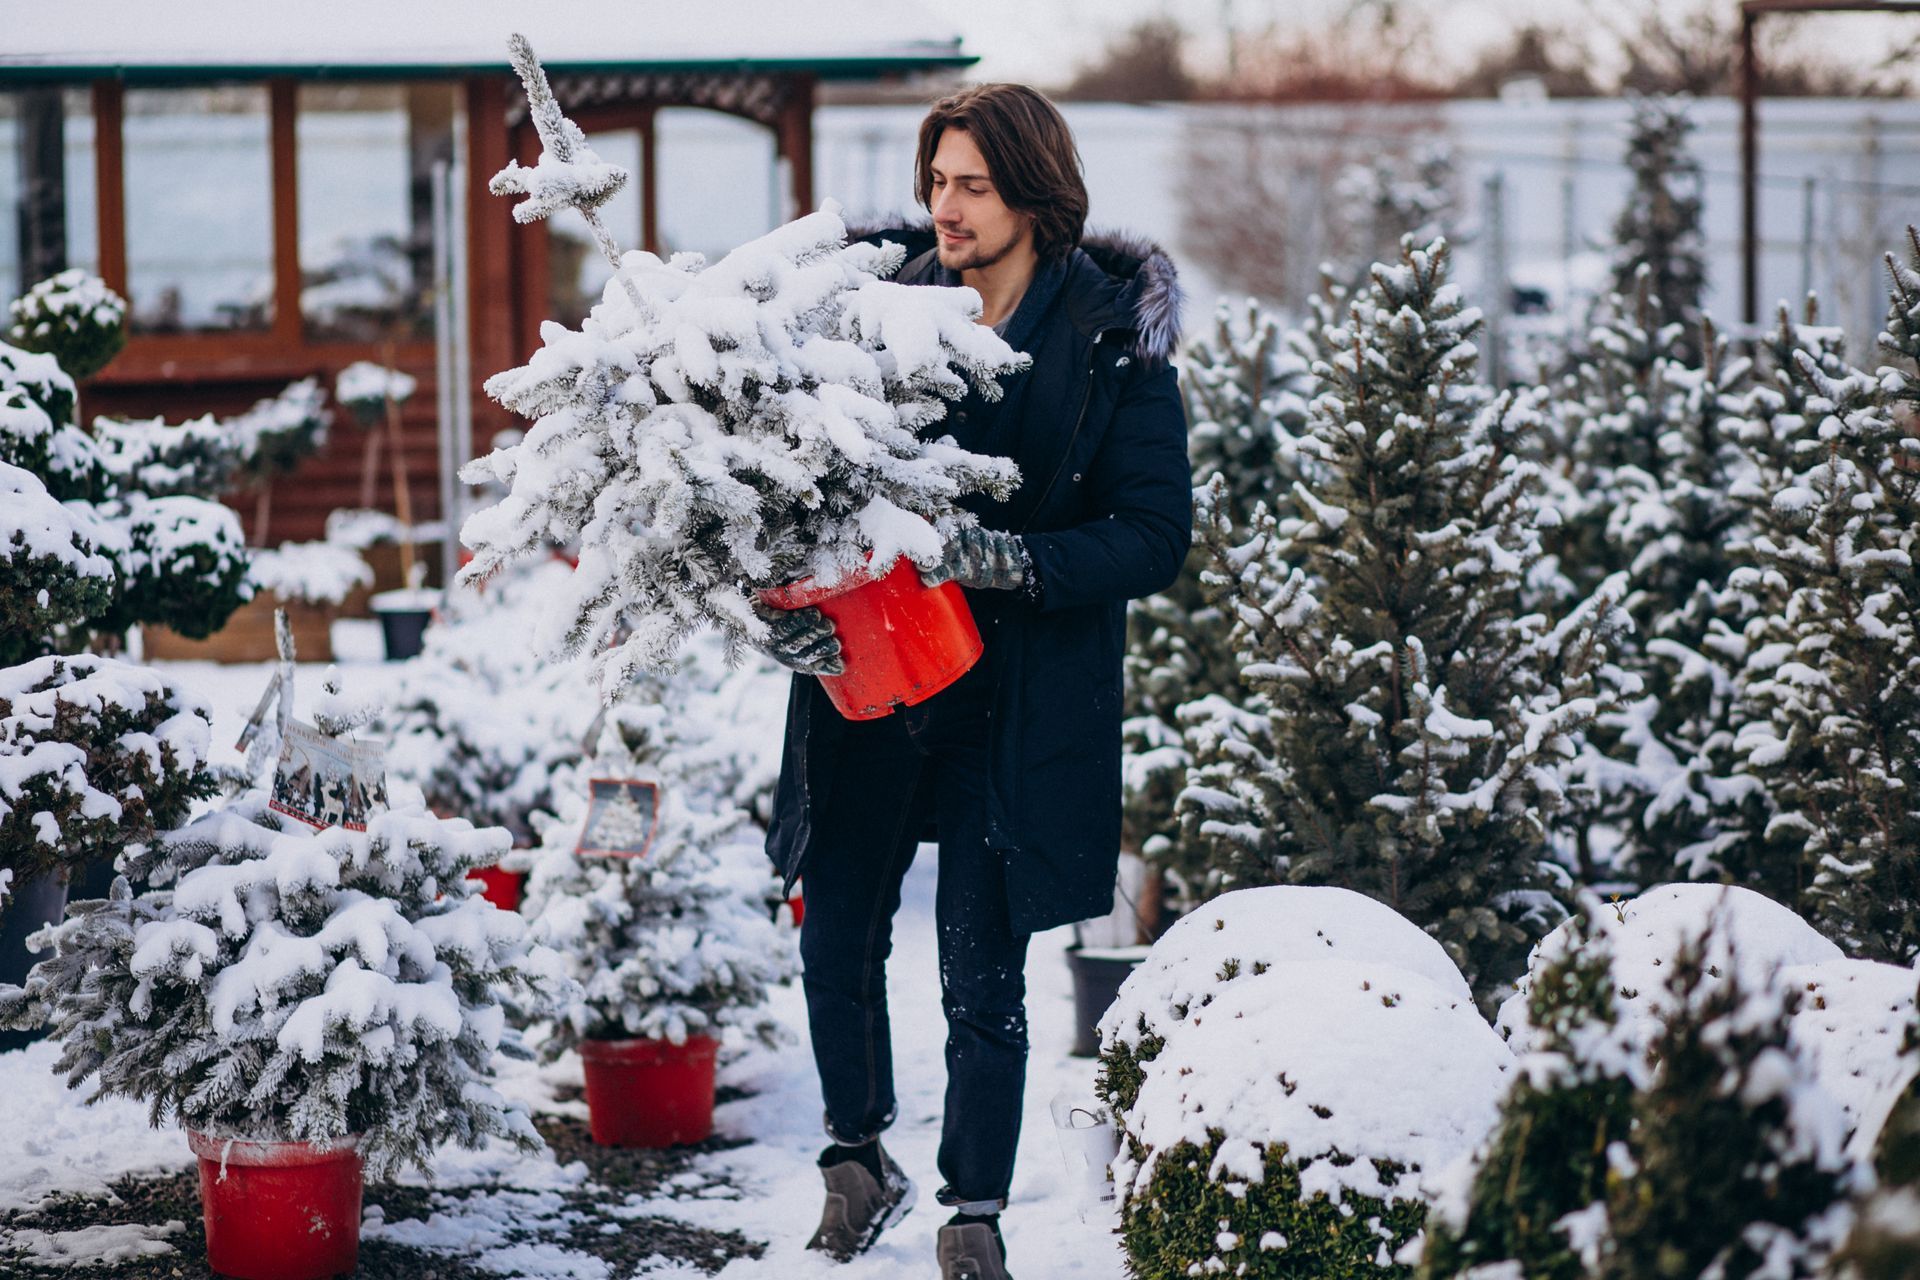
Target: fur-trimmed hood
{"x":1116,"y":281}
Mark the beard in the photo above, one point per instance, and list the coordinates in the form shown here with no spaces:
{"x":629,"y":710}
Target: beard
{"x":972,"y":255}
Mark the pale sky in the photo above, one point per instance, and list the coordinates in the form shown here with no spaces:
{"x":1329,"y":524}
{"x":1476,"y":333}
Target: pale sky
{"x":1043,"y":41}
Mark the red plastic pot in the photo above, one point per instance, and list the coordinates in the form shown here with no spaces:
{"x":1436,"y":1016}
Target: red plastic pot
{"x":901,"y":640}
{"x":501,"y":888}
{"x":649,"y":1093}
{"x":279,"y":1210}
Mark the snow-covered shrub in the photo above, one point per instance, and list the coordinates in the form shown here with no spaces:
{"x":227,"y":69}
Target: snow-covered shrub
{"x":1734,"y":1166}
{"x":1285,"y":1129}
{"x":1886,"y":1236}
{"x":162,"y":459}
{"x":674,"y":943}
{"x":281,"y":430}
{"x":181,"y":562}
{"x":35,"y":378}
{"x":1239,"y":937}
{"x":1527,"y":1198}
{"x":284,"y":984}
{"x":50,"y":575}
{"x":364,"y":388}
{"x":73,"y":317}
{"x":317,"y":573}
{"x":713,"y":429}
{"x":1415,"y":713}
{"x":1752,"y":937}
{"x":94,"y":755}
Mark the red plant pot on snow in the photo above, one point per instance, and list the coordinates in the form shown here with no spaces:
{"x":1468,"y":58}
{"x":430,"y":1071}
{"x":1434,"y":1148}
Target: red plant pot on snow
{"x":901,"y":640}
{"x":501,"y":888}
{"x":649,"y":1093}
{"x":279,"y":1210}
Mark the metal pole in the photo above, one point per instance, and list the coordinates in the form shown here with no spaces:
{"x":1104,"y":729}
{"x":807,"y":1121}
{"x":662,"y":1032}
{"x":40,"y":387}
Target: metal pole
{"x":443,"y":374}
{"x":1749,"y":174}
{"x":1496,"y":277}
{"x":1806,"y":236}
{"x":458,"y":262}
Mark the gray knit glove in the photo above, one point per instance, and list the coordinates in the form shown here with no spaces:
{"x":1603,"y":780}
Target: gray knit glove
{"x":983,"y":559}
{"x":800,"y":639}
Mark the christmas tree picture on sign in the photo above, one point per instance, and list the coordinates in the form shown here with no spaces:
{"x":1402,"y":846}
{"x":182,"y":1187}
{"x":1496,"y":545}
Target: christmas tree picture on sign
{"x":621,"y":818}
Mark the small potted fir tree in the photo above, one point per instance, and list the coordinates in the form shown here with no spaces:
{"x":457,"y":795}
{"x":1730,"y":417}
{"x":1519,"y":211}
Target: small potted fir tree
{"x":306,"y":1004}
{"x":672,"y":942}
{"x":753,"y":428}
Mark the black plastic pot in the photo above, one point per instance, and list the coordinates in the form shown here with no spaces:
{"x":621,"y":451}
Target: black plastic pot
{"x":1097,"y":975}
{"x":405,"y":631}
{"x":30,"y":906}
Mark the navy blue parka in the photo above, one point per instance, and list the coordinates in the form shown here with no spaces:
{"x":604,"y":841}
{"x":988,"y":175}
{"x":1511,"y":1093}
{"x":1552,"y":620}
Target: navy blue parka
{"x":1105,"y":507}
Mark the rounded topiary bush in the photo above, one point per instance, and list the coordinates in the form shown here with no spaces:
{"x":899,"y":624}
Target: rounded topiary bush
{"x":1751,"y":937}
{"x":1242,"y":935}
{"x":182,"y":562}
{"x":73,"y":317}
{"x":1283,"y":1129}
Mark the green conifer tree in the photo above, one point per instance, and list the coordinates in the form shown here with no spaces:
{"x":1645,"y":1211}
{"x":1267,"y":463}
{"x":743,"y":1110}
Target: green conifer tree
{"x":1571,"y":1099}
{"x":1418,"y":715}
{"x":1830,"y":692}
{"x":1659,"y":227}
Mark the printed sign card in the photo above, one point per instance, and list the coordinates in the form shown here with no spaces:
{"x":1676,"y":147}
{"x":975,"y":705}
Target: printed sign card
{"x":328,"y":782}
{"x":621,"y":817}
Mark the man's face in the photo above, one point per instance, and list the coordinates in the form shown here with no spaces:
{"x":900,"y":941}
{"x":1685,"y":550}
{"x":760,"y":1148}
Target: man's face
{"x":975,"y":227}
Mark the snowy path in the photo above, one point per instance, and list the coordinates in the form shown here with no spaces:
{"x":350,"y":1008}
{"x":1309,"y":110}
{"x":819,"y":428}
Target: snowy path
{"x":500,"y":1213}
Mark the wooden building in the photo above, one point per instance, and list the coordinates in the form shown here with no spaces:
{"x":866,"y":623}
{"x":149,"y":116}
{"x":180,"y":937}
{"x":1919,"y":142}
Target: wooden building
{"x":258,"y":180}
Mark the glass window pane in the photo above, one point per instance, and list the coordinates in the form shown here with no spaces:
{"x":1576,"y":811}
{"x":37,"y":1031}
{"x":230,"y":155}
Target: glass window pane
{"x":366,"y":157}
{"x":75,"y":171}
{"x":718,"y":180}
{"x":199,"y":189}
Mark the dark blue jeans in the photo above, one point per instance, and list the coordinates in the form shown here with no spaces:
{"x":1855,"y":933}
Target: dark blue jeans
{"x":919,"y":762}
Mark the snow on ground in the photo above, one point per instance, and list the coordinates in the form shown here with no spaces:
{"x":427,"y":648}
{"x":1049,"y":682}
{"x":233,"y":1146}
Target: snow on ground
{"x":766,"y":1190}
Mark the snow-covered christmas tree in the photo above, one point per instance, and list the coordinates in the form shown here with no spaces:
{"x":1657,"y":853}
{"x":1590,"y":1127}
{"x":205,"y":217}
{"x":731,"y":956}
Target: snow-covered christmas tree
{"x":1831,"y":691}
{"x":1734,"y":1163}
{"x":1658,"y":229}
{"x":293,"y":985}
{"x":1663,"y":766}
{"x":675,"y":943}
{"x":713,"y":429}
{"x":1417,"y":717}
{"x":1543,"y":1171}
{"x":1246,"y":384}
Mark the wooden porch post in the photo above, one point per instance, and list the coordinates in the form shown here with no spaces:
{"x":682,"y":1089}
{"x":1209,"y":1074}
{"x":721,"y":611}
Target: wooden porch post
{"x":490,"y":275}
{"x":796,"y":142}
{"x":109,"y":182}
{"x":283,"y":97}
{"x":649,"y":183}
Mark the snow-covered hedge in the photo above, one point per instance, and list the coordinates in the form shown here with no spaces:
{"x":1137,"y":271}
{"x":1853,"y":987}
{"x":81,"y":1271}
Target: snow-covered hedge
{"x":1286,"y":1067}
{"x":1238,"y":937}
{"x":74,"y":317}
{"x":677,"y":942}
{"x":285,"y":984}
{"x":314,"y":572}
{"x":728,"y":427}
{"x":94,"y":755}
{"x":51,"y":577}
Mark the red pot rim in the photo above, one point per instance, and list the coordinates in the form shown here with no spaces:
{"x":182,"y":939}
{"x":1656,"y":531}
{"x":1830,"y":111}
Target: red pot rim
{"x":605,"y":1050}
{"x":271,"y":1153}
{"x":800,"y":594}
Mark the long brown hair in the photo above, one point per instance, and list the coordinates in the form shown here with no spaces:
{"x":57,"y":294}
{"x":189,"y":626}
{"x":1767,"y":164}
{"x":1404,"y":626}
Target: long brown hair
{"x":1029,"y":152}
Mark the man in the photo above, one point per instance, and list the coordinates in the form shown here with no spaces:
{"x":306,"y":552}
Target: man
{"x":1016,"y":765}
